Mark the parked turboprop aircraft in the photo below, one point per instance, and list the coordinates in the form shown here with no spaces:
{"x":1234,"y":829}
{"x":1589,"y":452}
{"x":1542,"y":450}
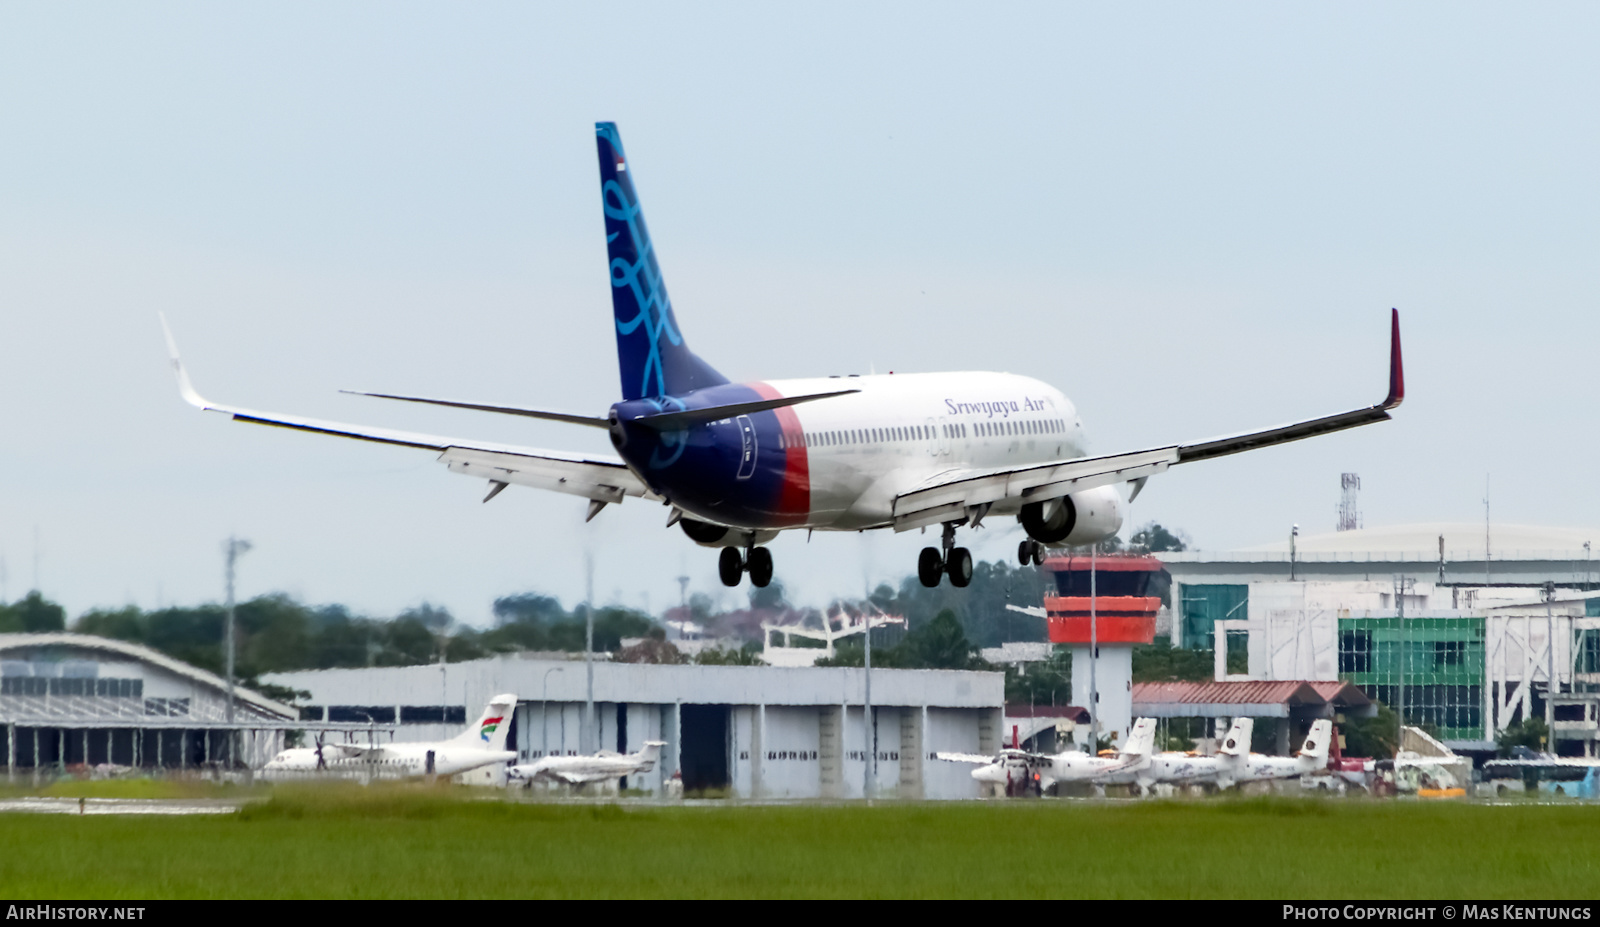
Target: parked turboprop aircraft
{"x":577,"y":770}
{"x":1036,"y":772}
{"x":740,"y":462}
{"x":482,"y":744}
{"x":1254,"y":767}
{"x":1174,"y":768}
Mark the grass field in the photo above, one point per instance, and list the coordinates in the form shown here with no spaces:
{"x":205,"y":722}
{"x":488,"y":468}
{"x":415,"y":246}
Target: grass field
{"x":415,"y":843}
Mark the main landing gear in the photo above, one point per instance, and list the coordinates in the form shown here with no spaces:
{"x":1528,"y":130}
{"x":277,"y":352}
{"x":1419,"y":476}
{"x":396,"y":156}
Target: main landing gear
{"x":957,"y":561}
{"x":757,"y":562}
{"x":1030,"y":551}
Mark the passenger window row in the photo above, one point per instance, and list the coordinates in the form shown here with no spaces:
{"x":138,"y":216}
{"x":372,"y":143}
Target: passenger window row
{"x":1005,"y":428}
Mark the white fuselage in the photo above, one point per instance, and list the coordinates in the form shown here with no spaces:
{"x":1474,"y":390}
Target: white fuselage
{"x":583,"y":768}
{"x":864,"y":449}
{"x":1173,"y":769}
{"x":1259,"y":766}
{"x":390,"y":759}
{"x":1071,"y":766}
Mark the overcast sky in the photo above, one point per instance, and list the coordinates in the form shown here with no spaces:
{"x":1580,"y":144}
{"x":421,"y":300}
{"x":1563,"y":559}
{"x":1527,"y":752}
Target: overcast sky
{"x":1192,"y":218}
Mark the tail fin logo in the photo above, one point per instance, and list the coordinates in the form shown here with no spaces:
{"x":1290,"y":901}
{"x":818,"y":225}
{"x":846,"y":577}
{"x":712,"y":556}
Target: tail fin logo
{"x":490,"y":725}
{"x":640,"y":276}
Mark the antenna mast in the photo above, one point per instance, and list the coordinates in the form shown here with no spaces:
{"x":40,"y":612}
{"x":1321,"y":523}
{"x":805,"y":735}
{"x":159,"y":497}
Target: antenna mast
{"x":1349,"y":513}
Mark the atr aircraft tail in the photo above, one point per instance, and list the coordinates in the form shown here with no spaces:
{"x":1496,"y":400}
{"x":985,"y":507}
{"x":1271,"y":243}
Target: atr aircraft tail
{"x":651,"y":350}
{"x":489,"y":733}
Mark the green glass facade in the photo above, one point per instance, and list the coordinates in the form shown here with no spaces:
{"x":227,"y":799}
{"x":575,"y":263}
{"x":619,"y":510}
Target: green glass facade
{"x":1205,"y":605}
{"x":1440,"y":661}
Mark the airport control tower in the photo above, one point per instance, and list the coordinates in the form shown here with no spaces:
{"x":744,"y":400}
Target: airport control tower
{"x":1128,"y":592}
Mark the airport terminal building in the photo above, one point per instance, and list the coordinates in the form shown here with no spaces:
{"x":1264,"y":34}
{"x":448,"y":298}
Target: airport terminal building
{"x":742,"y":731}
{"x":1468,"y":628}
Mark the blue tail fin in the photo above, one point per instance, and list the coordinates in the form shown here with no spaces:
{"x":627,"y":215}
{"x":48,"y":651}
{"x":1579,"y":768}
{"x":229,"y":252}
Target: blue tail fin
{"x":655,"y":359}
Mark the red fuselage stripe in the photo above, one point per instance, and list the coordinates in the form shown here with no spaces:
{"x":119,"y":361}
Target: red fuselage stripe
{"x":794,"y":497}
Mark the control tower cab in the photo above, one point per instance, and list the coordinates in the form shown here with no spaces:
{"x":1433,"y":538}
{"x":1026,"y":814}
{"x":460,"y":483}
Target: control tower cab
{"x":1127,"y":594}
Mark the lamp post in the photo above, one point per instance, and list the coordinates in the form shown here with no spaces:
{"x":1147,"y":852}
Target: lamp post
{"x":1094,"y":655}
{"x":544,"y":712}
{"x":866,"y":710}
{"x":232,"y":549}
{"x":1293,"y":534}
{"x":1553,"y":686}
{"x":1401,"y":584}
{"x":588,"y":737}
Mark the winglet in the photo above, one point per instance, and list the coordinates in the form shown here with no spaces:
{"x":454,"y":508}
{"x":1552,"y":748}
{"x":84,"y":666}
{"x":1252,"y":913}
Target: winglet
{"x":185,"y":388}
{"x":1397,"y":375}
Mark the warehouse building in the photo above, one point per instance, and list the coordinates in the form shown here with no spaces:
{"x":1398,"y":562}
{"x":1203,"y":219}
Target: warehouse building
{"x":745,"y":731}
{"x":71,"y":700}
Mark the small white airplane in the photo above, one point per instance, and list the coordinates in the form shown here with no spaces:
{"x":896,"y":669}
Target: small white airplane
{"x":1179,"y":768}
{"x":1256,"y":767}
{"x":1233,"y":762}
{"x":1023,"y":772}
{"x":580,"y":770}
{"x":482,"y":744}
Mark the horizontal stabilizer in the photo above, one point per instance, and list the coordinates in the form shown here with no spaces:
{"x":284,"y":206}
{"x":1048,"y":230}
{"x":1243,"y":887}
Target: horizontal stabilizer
{"x":683,"y":418}
{"x":571,"y":419}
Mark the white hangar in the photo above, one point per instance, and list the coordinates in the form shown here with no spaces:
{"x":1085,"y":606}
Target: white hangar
{"x":743,"y":731}
{"x":77,"y":700}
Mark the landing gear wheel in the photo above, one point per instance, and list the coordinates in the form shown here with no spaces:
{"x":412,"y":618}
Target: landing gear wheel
{"x":959,"y":567}
{"x":1030,"y":552}
{"x":730,"y":566}
{"x":759,"y":563}
{"x":930,"y":566}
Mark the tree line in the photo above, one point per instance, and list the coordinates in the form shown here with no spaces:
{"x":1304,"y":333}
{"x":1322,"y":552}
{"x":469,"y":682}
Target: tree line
{"x":276,"y":633}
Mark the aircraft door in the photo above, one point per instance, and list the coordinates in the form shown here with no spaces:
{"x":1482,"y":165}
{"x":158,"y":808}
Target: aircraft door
{"x":941,"y":437}
{"x":747,"y":447}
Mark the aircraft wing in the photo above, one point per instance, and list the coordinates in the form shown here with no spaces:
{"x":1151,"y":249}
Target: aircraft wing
{"x":353,"y":750}
{"x":580,"y":776}
{"x":958,"y":494}
{"x":979,"y":759}
{"x":597,"y":478}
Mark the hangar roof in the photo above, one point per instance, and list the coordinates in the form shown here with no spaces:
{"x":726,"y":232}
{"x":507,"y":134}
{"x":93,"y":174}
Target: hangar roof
{"x":1463,"y":541}
{"x":472,"y":682}
{"x":1262,"y":698}
{"x":145,"y":655}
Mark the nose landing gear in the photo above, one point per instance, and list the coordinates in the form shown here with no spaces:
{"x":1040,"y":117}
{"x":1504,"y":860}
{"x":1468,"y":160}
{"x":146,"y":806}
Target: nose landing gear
{"x":757,"y":562}
{"x":956,"y":561}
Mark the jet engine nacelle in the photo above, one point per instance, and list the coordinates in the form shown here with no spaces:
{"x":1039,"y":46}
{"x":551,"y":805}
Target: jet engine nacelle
{"x":707,"y":534}
{"x":1079,"y":518}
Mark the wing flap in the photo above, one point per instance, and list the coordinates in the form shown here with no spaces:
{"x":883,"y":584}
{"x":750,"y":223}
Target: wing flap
{"x":953,"y":493}
{"x":599,"y":480}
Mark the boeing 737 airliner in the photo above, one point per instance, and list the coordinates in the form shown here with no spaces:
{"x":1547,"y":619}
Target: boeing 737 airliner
{"x":739,"y":462}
